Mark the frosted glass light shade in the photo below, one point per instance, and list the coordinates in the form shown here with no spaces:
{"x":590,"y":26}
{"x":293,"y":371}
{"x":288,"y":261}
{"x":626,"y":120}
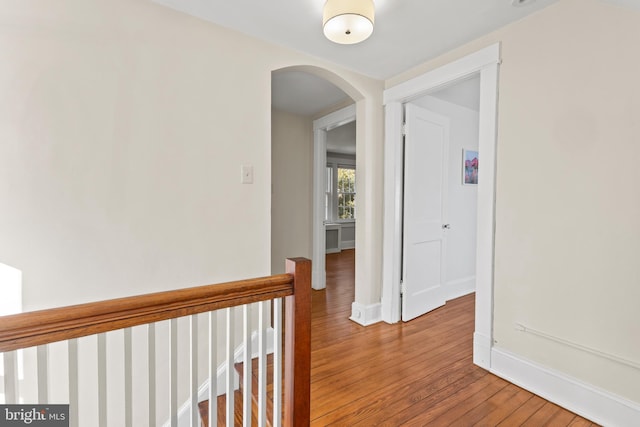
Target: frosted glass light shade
{"x":348,"y":21}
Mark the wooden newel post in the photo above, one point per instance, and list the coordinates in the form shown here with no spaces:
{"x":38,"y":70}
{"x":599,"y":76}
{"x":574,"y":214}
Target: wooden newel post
{"x":297,"y":351}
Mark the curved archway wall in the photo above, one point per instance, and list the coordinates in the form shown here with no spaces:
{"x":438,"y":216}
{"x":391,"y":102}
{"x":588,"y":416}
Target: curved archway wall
{"x":366,"y":307}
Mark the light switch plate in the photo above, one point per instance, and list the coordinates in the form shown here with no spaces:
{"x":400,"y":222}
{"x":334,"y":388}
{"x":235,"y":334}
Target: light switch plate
{"x":247,"y":174}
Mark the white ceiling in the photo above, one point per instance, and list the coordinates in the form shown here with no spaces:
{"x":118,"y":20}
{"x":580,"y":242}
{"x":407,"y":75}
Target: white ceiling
{"x":465,"y":93}
{"x":303,"y":93}
{"x":407,"y":33}
{"x":342,"y":140}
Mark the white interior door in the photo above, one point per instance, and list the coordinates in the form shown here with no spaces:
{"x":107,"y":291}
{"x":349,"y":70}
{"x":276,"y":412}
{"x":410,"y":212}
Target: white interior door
{"x":424,"y":234}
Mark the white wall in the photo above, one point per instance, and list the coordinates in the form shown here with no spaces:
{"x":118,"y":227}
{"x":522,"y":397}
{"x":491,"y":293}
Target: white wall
{"x":567,"y":205}
{"x":462,"y":200}
{"x":121,"y":152}
{"x":568,"y":239}
{"x":292,"y":187}
{"x":124,"y":125}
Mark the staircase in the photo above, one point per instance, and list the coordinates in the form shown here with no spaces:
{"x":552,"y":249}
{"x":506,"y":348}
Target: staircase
{"x":222,"y":401}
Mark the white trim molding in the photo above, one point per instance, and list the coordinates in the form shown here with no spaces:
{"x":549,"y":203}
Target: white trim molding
{"x":392,"y":225}
{"x":485,"y":62}
{"x":336,"y":119}
{"x":366,"y":315}
{"x":588,"y":401}
{"x":482,"y":350}
{"x":455,"y":70}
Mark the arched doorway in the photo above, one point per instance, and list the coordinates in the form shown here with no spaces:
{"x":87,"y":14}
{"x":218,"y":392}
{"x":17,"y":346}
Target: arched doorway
{"x":321,"y":118}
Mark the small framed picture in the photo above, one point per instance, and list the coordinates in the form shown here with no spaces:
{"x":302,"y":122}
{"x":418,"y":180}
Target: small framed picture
{"x":469,"y":167}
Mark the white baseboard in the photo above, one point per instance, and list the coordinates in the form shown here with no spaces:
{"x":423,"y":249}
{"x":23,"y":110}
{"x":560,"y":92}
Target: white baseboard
{"x":482,"y":350}
{"x":184,"y":412}
{"x":584,"y":399}
{"x":316,"y":277}
{"x":460,"y":287}
{"x":366,"y":315}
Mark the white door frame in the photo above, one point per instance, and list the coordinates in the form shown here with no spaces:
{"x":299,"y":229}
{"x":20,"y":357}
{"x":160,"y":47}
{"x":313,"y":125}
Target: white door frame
{"x":320,"y":128}
{"x":486,"y":62}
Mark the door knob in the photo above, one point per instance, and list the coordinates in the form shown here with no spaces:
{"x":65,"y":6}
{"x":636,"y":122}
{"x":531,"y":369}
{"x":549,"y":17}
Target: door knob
{"x":446,"y":226}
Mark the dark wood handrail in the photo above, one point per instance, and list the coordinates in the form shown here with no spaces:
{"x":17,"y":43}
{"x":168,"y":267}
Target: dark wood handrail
{"x":63,"y":323}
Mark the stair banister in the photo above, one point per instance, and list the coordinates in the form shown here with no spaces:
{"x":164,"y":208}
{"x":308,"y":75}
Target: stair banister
{"x":40,"y":328}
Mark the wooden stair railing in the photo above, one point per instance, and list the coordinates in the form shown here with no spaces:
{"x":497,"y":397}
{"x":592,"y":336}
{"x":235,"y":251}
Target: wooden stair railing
{"x":39,"y":328}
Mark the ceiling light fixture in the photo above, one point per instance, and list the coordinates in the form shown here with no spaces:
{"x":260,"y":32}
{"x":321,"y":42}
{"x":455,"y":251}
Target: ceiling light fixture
{"x":348,"y":21}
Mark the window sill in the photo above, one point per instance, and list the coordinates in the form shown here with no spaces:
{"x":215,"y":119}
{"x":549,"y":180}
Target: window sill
{"x":341,"y":222}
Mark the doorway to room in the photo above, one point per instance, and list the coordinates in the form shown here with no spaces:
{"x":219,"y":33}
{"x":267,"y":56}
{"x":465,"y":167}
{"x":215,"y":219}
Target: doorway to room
{"x":440,"y":197}
{"x":485,"y":62}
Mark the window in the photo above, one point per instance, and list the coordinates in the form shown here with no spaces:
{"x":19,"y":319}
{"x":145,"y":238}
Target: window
{"x":328,"y":185}
{"x":11,"y":285}
{"x":346,"y":192}
{"x":340,"y":190}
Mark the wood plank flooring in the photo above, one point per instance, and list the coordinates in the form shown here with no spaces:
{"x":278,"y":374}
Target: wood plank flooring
{"x":411,"y":374}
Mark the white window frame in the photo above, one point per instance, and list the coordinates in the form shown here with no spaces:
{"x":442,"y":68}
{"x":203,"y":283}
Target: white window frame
{"x":335,"y":163}
{"x":328,"y":194}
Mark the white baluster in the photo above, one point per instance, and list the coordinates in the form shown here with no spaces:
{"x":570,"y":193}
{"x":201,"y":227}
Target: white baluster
{"x":173,"y":372}
{"x":246,"y":383}
{"x":262,"y":365}
{"x":230,"y":369}
{"x":213,"y":368}
{"x":151,"y":355}
{"x":11,"y":390}
{"x":73,"y":382}
{"x":128,"y":379}
{"x":277,"y":362}
{"x":193,"y":338}
{"x":102,"y":380}
{"x":43,"y":374}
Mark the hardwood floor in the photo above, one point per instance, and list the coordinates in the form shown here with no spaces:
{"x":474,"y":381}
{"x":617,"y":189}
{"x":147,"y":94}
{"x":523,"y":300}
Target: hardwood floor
{"x":415,"y":374}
